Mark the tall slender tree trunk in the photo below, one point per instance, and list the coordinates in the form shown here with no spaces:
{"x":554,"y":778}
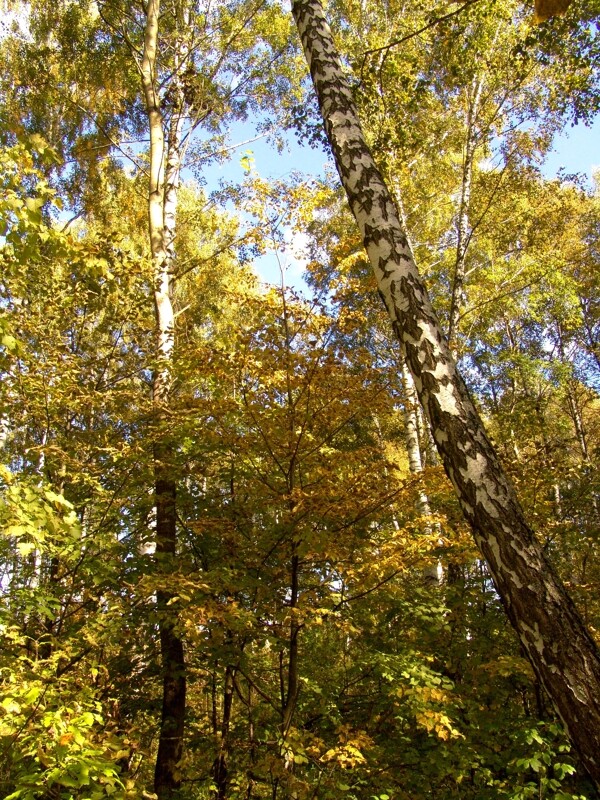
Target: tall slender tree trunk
{"x":290,"y":698}
{"x":164,"y":175}
{"x":434,"y":572}
{"x":577,"y":418}
{"x":289,"y":695}
{"x":549,"y":627}
{"x":411,"y":428}
{"x":220,"y":767}
{"x":463,"y":234}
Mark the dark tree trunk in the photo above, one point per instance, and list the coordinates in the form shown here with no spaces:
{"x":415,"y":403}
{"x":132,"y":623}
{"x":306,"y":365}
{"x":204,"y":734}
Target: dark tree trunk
{"x":220,"y":770}
{"x":170,"y":743}
{"x":561,"y":650}
{"x":293,"y":685}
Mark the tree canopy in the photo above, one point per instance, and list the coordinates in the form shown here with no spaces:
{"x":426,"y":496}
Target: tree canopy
{"x":236,"y":555}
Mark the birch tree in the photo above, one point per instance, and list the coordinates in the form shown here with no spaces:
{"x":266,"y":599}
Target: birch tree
{"x":561,"y":650}
{"x":165,"y":160}
{"x":190,"y":78}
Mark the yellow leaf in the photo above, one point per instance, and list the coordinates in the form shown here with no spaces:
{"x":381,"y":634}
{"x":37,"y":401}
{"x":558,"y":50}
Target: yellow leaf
{"x":25,"y":548}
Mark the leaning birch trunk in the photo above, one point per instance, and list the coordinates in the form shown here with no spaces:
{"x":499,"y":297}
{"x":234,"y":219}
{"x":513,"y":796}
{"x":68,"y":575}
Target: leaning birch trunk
{"x":561,"y":650}
{"x":161,"y":210}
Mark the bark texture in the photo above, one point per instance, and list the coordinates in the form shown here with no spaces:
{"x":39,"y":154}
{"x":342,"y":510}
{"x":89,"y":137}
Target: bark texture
{"x":561,"y":650}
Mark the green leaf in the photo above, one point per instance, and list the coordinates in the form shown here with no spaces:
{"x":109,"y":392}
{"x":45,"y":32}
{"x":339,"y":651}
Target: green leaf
{"x":10,"y":705}
{"x":9,"y":342}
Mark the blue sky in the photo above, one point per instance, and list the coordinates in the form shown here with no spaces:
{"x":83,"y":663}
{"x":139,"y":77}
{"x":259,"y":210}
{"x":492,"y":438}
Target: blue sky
{"x":576,"y":150}
{"x":275,"y":166}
